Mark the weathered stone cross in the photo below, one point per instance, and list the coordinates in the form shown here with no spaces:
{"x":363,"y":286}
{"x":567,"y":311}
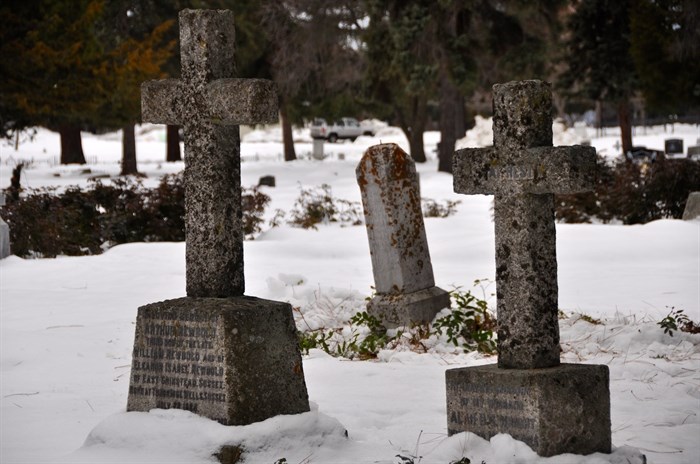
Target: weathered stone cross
{"x":210,"y":104}
{"x":216,"y":352}
{"x":524,"y":171}
{"x":554,"y":408}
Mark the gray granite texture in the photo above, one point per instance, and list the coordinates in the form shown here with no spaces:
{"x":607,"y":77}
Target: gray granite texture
{"x":209,"y":103}
{"x":403,"y":272}
{"x":563,"y":409}
{"x":222,"y":355}
{"x":234,"y":360}
{"x":692,"y":207}
{"x":4,"y":239}
{"x":524,"y":171}
{"x":4,"y":233}
{"x":553,"y":408}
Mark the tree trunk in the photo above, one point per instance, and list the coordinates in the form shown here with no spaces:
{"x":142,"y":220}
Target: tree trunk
{"x":599,"y":118}
{"x":449,"y":100}
{"x":172,"y":142}
{"x":461,"y":125}
{"x":287,"y":137}
{"x":415,"y":146}
{"x":128,"y":151}
{"x":419,"y":118}
{"x":71,"y":145}
{"x":623,"y":116}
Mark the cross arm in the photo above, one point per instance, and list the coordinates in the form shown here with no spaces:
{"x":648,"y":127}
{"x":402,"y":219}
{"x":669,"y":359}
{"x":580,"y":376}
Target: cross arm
{"x":533,"y":170}
{"x":160,"y":102}
{"x":243,"y":101}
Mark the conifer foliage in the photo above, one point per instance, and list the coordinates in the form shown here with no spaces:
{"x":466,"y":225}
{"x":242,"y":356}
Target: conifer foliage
{"x":59,"y":71}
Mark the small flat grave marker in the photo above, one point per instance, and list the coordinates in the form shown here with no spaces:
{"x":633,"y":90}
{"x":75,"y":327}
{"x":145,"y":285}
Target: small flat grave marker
{"x":673,"y":146}
{"x":553,"y":408}
{"x":229,"y":357}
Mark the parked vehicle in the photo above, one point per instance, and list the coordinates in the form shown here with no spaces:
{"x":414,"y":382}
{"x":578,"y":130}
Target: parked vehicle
{"x":343,"y":128}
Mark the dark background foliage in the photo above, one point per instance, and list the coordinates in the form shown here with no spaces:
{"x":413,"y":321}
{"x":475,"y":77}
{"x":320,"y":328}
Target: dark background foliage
{"x":80,"y":222}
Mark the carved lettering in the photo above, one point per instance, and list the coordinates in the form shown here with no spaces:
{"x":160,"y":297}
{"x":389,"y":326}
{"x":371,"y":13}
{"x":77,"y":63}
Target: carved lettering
{"x":489,"y":409}
{"x":511,"y":172}
{"x":178,"y":365}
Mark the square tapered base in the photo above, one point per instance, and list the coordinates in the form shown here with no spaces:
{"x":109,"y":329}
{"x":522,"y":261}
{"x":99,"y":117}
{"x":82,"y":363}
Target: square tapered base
{"x":563,"y":409}
{"x":234,"y":360}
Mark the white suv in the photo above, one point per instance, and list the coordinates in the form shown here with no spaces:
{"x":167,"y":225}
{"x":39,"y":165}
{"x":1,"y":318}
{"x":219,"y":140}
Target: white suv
{"x":344,"y":128}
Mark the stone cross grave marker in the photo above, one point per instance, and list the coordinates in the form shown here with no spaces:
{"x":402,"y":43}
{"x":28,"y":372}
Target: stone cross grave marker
{"x":403,"y":272}
{"x":553,"y":408}
{"x":216,"y":352}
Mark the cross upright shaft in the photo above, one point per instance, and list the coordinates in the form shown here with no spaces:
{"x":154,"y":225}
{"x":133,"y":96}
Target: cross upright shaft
{"x":210,"y":104}
{"x":524,"y":171}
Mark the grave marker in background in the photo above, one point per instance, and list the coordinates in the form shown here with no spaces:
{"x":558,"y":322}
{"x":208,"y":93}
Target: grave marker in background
{"x":553,"y":408}
{"x":673,"y":146}
{"x":225,"y":356}
{"x":4,"y":233}
{"x":403,"y":272}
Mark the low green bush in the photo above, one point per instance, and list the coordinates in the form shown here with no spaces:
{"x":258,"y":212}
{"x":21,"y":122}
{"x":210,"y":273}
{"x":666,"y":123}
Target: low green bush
{"x":633,"y":193}
{"x":46,"y":223}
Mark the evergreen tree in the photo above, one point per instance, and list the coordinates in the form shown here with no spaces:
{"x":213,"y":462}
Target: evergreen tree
{"x":62,"y":71}
{"x":598,"y":58}
{"x":312,"y":59}
{"x":665,"y":46}
{"x":480,"y":43}
{"x":137,"y":53}
{"x":53,"y":68}
{"x":402,"y":70}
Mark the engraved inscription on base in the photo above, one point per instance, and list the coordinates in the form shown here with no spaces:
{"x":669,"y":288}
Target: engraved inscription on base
{"x":176,"y":364}
{"x":487,"y":410}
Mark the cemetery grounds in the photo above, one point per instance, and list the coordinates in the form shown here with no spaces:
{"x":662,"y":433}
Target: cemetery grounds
{"x":67,"y":324}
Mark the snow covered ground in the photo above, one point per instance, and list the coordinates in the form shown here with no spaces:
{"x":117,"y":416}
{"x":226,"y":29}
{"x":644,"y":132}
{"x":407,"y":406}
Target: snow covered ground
{"x":67,"y":324}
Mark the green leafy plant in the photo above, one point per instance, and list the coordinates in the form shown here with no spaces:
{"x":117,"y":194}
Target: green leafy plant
{"x":359,"y":344}
{"x":315,"y":339}
{"x":677,"y":320}
{"x":469,"y":325}
{"x":375,"y":340}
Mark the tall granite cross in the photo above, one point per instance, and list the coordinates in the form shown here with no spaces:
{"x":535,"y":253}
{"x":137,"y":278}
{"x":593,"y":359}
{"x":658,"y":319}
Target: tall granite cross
{"x":218,"y":353}
{"x":555,"y":408}
{"x":210,"y":103}
{"x":523,"y":171}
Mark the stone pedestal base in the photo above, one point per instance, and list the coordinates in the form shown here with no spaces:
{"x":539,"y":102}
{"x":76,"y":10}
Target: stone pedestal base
{"x":4,"y":239}
{"x":233,"y":360}
{"x":406,"y":308}
{"x":563,"y":409}
{"x":692,"y":207}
